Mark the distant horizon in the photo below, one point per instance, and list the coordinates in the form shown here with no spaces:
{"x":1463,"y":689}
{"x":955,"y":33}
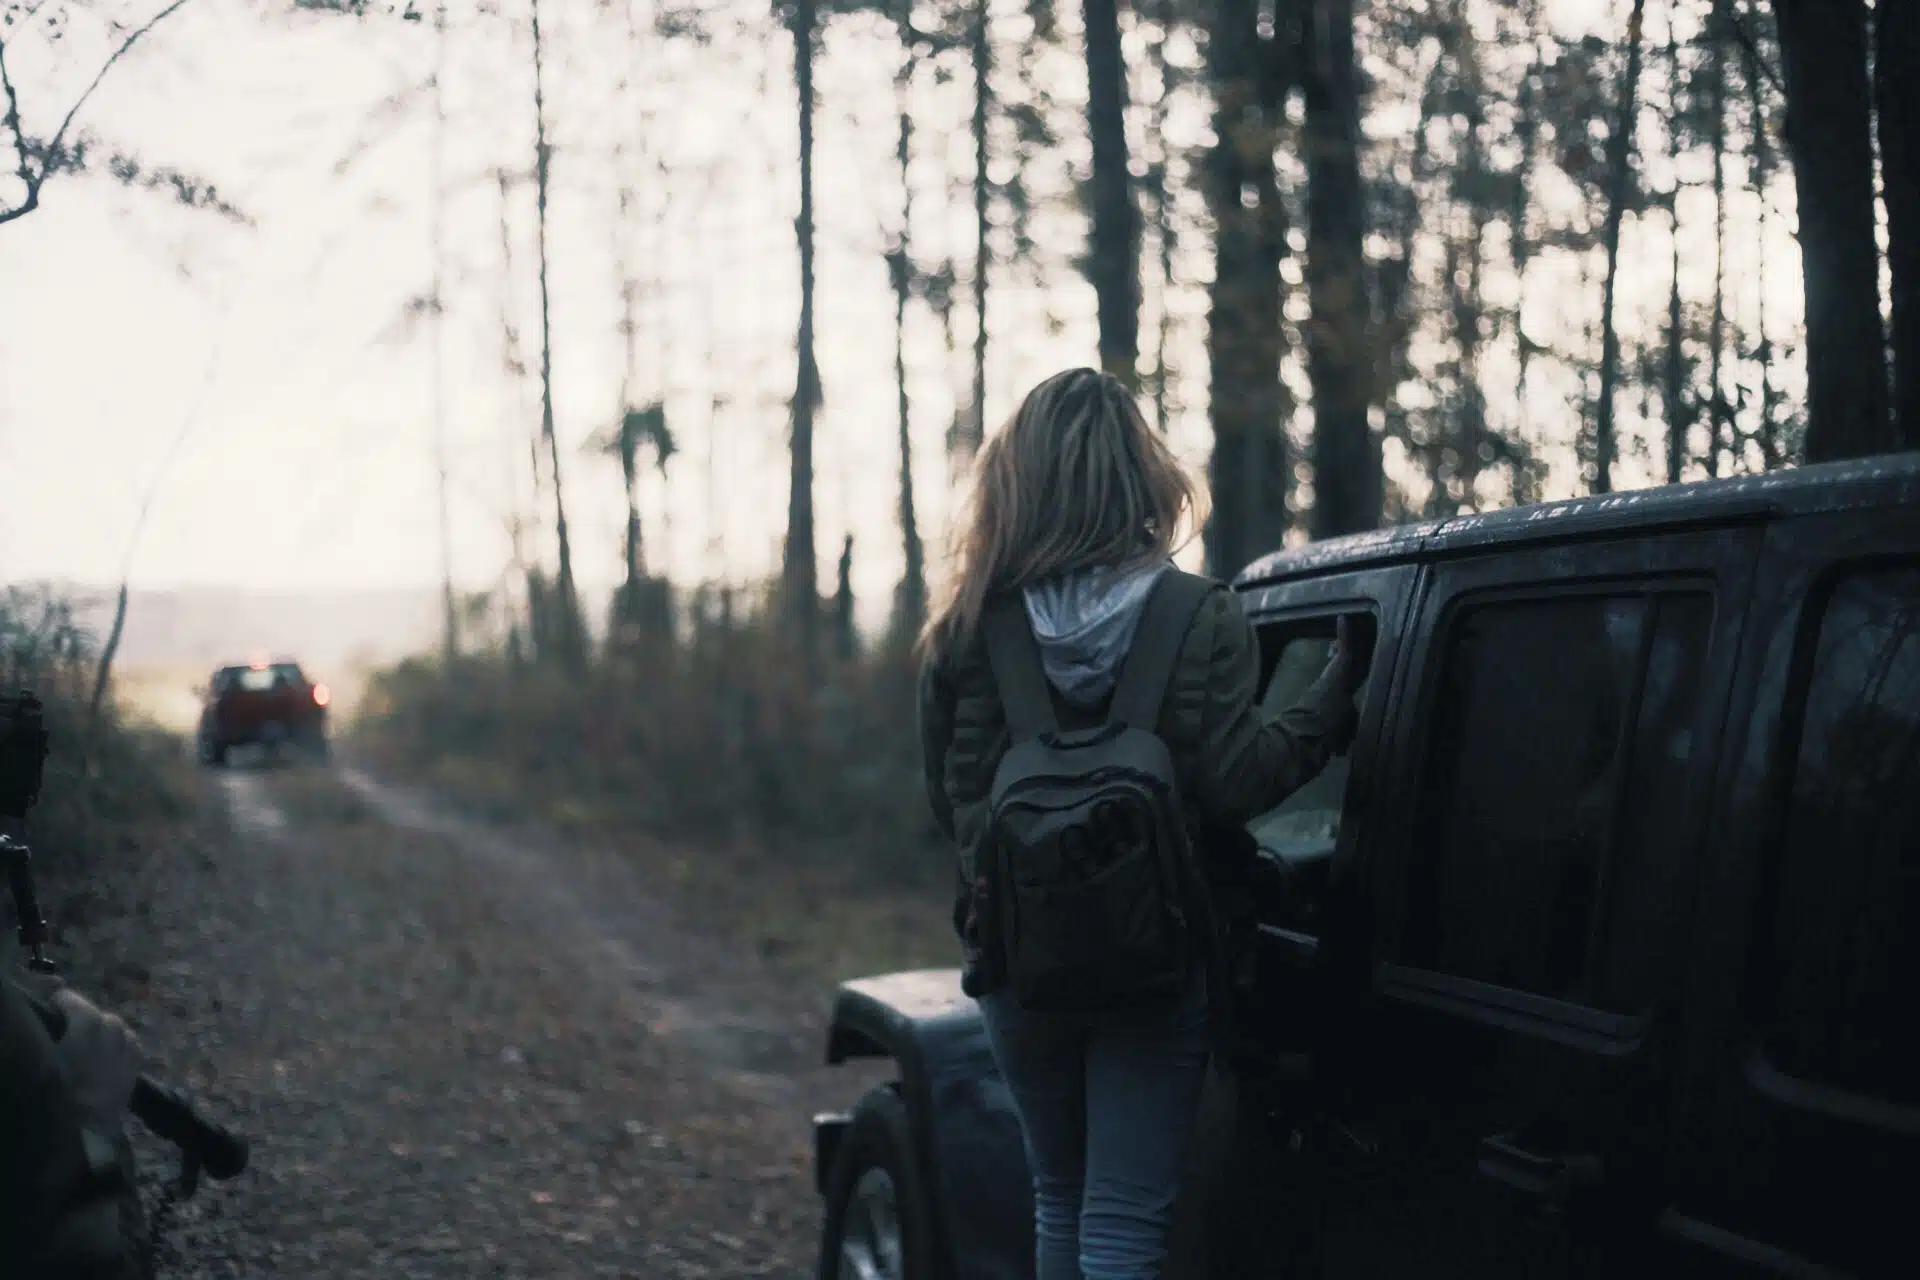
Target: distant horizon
{"x":329,"y":627}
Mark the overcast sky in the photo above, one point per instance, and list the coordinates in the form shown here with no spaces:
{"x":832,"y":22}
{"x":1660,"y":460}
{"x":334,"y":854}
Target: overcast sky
{"x":280,"y":347}
{"x":309,"y":453}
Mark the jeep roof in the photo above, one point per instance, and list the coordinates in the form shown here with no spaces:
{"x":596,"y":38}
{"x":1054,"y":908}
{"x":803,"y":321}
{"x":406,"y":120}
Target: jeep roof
{"x":1887,"y":480}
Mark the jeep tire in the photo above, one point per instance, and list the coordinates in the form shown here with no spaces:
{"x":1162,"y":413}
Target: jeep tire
{"x":878,"y":1211}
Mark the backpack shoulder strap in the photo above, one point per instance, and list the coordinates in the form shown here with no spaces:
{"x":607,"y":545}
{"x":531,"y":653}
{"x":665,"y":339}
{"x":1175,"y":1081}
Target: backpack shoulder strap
{"x":1014,"y":656}
{"x":1148,"y":668}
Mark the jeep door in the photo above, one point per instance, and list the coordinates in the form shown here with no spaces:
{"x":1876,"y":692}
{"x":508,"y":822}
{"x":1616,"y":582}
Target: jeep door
{"x":1244,"y":1201}
{"x":1497,"y":1100}
{"x":1797,"y":1144}
{"x":1308,"y":844}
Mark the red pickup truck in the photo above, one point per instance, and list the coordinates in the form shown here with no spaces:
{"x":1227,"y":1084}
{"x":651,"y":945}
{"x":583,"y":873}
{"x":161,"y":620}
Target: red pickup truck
{"x":269,"y":704}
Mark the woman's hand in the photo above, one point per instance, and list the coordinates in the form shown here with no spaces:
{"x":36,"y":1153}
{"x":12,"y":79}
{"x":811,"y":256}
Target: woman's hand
{"x":1339,"y":670}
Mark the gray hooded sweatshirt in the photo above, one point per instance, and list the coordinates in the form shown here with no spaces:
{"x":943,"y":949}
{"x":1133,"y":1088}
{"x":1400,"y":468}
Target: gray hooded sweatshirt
{"x":1084,"y":622}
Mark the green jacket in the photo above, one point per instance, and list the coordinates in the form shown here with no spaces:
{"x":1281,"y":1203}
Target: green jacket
{"x":1232,"y":764}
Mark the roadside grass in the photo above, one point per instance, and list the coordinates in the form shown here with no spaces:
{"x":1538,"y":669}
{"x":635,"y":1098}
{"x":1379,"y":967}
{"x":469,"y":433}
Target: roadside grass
{"x":812,"y":917}
{"x":786,"y":815}
{"x":816,"y":922}
{"x":116,"y":789}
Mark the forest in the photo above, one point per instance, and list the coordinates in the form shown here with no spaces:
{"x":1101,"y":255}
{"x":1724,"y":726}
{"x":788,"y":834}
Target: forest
{"x":1370,"y":263}
{"x":1364,"y":264}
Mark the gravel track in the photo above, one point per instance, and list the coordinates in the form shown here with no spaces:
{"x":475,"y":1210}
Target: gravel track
{"x":460,"y":1051}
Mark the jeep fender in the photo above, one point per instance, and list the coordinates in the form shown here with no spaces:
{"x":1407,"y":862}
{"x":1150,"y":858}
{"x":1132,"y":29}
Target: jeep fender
{"x":966,"y":1133}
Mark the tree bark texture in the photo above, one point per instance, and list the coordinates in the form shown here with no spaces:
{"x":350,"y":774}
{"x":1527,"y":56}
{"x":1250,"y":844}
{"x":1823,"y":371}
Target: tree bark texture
{"x":1346,"y":464}
{"x":568,"y":624}
{"x":911,"y":603}
{"x":799,"y":571}
{"x":982,"y":49}
{"x":1248,"y":469}
{"x":1619,"y":173}
{"x":1823,"y":47}
{"x":1896,"y":27}
{"x":1114,"y":249}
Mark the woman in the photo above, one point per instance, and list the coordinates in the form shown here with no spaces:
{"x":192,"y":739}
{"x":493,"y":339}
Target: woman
{"x":1077,"y":504}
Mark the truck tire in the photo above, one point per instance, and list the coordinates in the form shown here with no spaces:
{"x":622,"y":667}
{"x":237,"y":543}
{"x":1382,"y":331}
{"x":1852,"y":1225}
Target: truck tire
{"x":879,"y":1220}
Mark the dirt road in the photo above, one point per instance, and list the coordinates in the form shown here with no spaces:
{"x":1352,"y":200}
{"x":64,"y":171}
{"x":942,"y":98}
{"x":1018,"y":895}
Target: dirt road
{"x":462,"y":1051}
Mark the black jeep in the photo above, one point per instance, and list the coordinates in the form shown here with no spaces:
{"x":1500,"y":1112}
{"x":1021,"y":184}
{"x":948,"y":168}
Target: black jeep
{"x":1598,"y":955}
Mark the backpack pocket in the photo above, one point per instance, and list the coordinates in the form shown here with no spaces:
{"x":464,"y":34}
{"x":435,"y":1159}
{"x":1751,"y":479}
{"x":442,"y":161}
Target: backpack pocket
{"x":1092,"y":924}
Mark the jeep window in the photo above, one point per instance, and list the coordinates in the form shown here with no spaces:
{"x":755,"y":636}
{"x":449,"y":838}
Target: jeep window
{"x":1846,"y":931}
{"x":1646,"y":877}
{"x":1307,"y":823}
{"x":1547,"y":850}
{"x":281,"y":675}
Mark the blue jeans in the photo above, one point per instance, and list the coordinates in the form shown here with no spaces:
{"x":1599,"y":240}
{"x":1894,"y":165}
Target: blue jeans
{"x":1107,"y":1104}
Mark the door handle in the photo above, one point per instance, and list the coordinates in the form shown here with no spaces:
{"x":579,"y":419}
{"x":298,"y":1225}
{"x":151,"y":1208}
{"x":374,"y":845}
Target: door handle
{"x":1553,"y":1178}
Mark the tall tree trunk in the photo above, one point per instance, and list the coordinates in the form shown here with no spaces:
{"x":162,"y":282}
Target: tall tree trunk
{"x":1164,"y":398}
{"x":636,"y":557}
{"x":1469,"y":433}
{"x":436,"y":196}
{"x":541,"y":616}
{"x":567,"y":624}
{"x":1156,"y":200}
{"x":636,"y":546}
{"x":910,"y":606}
{"x":1717,"y":335}
{"x":799,"y":570}
{"x":1346,"y":466}
{"x":982,"y":49}
{"x":1772,"y":454}
{"x":629,"y":442}
{"x":1158,"y":177}
{"x":1896,"y":29}
{"x":1114,"y":251}
{"x":1619,"y":153}
{"x":1679,"y":418}
{"x":1823,"y":46}
{"x":1398,"y":316}
{"x":1248,"y":469}
{"x":846,"y":634}
{"x":1674,"y":395}
{"x":103,"y":672}
{"x":1527,"y":133}
{"x":525,"y":630}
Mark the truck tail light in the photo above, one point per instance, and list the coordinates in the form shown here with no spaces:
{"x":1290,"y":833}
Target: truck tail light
{"x":320,"y":695}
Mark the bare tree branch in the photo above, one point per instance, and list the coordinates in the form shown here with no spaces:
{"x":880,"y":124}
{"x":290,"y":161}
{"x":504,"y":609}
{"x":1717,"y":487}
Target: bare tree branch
{"x":133,"y":38}
{"x":1751,"y":46}
{"x":57,"y":142}
{"x":13,"y":122}
{"x":186,"y":189}
{"x":375,"y":127}
{"x":361,"y":8}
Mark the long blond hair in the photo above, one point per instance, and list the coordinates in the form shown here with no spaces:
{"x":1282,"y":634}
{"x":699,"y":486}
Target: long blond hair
{"x":1076,"y":480}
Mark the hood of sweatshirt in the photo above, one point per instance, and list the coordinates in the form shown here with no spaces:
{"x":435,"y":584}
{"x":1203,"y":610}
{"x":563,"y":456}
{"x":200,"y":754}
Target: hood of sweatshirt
{"x":1084,"y":622}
